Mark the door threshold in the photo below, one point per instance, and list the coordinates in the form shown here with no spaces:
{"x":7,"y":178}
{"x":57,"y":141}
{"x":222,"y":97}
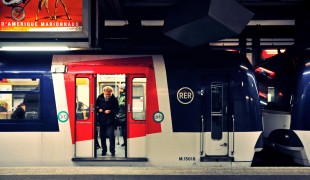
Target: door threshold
{"x":216,"y":159}
{"x":84,"y":159}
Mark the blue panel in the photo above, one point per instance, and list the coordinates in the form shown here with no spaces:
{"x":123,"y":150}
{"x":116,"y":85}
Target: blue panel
{"x":301,"y":103}
{"x":31,"y":65}
{"x":185,"y":117}
{"x":247,"y":112}
{"x":242,"y":96}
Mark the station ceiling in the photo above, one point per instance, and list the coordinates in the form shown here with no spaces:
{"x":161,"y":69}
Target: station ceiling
{"x":158,"y":9}
{"x":277,"y":23}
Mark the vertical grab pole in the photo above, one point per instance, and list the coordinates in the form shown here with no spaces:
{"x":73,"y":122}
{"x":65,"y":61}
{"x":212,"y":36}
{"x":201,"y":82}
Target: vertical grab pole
{"x":118,"y":134}
{"x":233,"y":136}
{"x":202,"y":130}
{"x":201,"y":136}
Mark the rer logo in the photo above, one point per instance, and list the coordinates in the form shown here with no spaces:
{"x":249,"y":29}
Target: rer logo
{"x":185,"y":95}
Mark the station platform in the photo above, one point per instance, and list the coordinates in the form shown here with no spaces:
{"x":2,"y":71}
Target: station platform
{"x":116,"y":172}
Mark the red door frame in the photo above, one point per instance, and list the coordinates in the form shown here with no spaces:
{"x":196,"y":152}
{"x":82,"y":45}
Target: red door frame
{"x":84,"y":129}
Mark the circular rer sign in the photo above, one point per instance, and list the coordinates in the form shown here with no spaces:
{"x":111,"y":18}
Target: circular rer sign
{"x":185,"y":95}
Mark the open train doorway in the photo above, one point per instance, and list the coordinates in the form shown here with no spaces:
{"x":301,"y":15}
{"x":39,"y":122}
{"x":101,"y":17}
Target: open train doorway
{"x":90,"y":139}
{"x":116,"y":82}
{"x":88,"y":88}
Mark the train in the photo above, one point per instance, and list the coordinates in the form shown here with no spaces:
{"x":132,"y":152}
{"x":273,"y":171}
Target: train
{"x":283,"y":84}
{"x":183,"y":109}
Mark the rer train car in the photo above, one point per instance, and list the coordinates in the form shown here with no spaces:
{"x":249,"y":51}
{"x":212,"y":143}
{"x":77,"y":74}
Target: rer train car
{"x":283,"y":84}
{"x":182,"y":110}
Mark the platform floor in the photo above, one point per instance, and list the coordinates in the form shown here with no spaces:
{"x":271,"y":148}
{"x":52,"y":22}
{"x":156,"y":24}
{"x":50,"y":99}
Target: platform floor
{"x":156,"y":170}
{"x":272,"y":173}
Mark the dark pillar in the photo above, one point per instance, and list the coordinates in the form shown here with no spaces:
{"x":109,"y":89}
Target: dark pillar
{"x":100,"y":23}
{"x":92,"y":21}
{"x":242,"y":44}
{"x":256,"y":48}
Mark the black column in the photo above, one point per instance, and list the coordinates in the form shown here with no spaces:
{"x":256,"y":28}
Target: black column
{"x":256,"y":48}
{"x":242,"y":44}
{"x":92,"y":21}
{"x":100,"y":23}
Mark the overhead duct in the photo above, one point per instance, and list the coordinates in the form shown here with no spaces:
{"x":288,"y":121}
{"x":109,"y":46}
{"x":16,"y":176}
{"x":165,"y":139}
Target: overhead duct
{"x":198,"y":22}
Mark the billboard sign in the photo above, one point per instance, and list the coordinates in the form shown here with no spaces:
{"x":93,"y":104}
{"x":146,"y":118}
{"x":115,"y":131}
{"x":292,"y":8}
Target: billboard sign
{"x":41,"y":15}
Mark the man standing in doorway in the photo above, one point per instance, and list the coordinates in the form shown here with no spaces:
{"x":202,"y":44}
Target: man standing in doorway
{"x":107,"y":108}
{"x":121,"y":115}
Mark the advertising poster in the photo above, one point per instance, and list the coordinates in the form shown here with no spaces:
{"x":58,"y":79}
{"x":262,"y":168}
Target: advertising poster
{"x":40,"y":15}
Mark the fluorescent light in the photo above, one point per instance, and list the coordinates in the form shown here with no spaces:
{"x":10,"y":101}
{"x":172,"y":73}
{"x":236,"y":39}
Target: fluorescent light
{"x":152,"y":22}
{"x":287,"y":22}
{"x":41,"y":48}
{"x":125,"y":22}
{"x":160,"y":22}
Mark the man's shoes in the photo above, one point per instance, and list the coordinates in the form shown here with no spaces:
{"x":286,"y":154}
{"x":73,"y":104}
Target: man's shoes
{"x":123,"y":145}
{"x":113,"y":153}
{"x":104,"y":153}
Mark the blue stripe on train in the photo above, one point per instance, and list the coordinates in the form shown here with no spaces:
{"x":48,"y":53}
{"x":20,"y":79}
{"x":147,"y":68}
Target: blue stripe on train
{"x":31,"y":65}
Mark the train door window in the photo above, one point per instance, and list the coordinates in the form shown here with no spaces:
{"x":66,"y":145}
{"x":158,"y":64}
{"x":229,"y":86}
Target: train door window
{"x":14,"y":92}
{"x":138,"y":98}
{"x":270,"y":94}
{"x":82,"y":98}
{"x":217,"y":110}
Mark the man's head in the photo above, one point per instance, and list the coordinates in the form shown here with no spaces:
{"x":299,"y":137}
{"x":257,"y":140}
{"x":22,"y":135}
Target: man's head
{"x":23,"y":106}
{"x":107,"y":92}
{"x":121,"y":87}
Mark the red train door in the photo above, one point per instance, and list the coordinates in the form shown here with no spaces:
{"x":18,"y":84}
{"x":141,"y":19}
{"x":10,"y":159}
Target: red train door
{"x":136,"y":115}
{"x":84,"y":115}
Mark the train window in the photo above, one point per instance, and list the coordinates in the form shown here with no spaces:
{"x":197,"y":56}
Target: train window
{"x":17,"y":91}
{"x":138,"y":98}
{"x":216,"y":97}
{"x":275,"y":94}
{"x":82,"y":98}
{"x":112,"y":80}
{"x":216,"y":110}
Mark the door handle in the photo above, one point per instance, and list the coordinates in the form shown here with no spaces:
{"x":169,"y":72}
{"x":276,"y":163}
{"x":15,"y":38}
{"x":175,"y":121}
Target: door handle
{"x":128,"y":107}
{"x":225,"y":144}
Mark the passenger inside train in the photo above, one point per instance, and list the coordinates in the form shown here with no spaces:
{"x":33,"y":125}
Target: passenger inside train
{"x":81,"y":113}
{"x":3,"y":106}
{"x":121,"y":115}
{"x":19,"y":112}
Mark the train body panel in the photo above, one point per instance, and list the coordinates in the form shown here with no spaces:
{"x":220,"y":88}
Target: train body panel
{"x":284,"y":89}
{"x":187,"y":114}
{"x":301,"y":154}
{"x":275,"y":120}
